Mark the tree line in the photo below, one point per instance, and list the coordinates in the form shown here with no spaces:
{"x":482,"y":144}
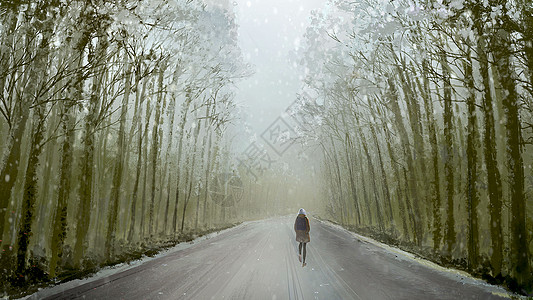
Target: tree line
{"x":423,"y":112}
{"x":114,"y":117}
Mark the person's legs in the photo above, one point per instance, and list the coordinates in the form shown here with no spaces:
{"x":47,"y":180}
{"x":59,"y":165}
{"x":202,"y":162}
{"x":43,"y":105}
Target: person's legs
{"x":304,"y":250}
{"x":300,"y":248}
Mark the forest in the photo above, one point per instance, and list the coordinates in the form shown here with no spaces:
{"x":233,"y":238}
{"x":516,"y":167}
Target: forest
{"x":423,"y":112}
{"x":114,"y":116}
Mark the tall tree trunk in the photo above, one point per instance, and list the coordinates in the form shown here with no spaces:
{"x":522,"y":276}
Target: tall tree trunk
{"x":207,"y":172}
{"x":205,"y":163}
{"x":349,"y":165}
{"x":101,"y":194}
{"x":45,"y":203}
{"x":448,"y":156}
{"x":330,"y":177}
{"x":67,"y":155}
{"x":118,"y":167}
{"x":11,"y":166}
{"x":60,"y":217}
{"x":339,"y":182}
{"x":145,"y":167}
{"x":86,"y":185}
{"x":369,"y":219}
{"x":191,"y":176}
{"x":184,"y":112}
{"x":171,"y":114}
{"x":472,"y":165}
{"x":139,"y":100}
{"x":494,"y":183}
{"x":162,"y":170}
{"x":418,"y":170}
{"x":384,"y":183}
{"x":353,"y":185}
{"x":47,"y":185}
{"x":155,"y":151}
{"x":85,"y":193}
{"x":502,"y":50}
{"x":198,"y":185}
{"x":404,"y":216}
{"x":30,"y":188}
{"x":370,"y":165}
{"x":432,"y":131}
{"x":414,"y":211}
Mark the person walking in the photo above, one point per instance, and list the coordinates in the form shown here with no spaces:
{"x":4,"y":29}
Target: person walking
{"x":302,"y":228}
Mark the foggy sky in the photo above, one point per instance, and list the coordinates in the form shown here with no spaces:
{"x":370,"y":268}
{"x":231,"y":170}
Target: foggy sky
{"x":268,"y":32}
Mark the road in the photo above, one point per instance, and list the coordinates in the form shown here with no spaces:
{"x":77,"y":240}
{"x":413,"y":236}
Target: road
{"x":258,"y":260}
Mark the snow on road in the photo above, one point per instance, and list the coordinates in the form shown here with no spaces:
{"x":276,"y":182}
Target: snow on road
{"x":258,"y":260}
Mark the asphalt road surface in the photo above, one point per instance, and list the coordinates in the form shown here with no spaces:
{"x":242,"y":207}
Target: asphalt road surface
{"x":258,"y":260}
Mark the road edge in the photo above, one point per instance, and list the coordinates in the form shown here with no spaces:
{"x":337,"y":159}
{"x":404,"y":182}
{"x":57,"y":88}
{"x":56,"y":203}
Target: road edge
{"x":449,"y":272}
{"x":122,"y":267}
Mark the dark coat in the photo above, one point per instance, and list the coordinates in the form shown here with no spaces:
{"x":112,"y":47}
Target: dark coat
{"x":302,"y":228}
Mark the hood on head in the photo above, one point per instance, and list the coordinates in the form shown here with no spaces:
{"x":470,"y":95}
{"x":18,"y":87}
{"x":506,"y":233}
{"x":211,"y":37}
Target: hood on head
{"x":302,"y":212}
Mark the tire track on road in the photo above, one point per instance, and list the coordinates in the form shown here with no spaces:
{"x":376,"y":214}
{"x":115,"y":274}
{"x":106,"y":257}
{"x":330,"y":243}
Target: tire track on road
{"x":292,"y":274}
{"x":342,"y":287}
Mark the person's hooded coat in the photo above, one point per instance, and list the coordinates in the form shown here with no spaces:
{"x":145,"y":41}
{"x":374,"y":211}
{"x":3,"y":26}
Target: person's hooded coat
{"x":302,"y":228}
